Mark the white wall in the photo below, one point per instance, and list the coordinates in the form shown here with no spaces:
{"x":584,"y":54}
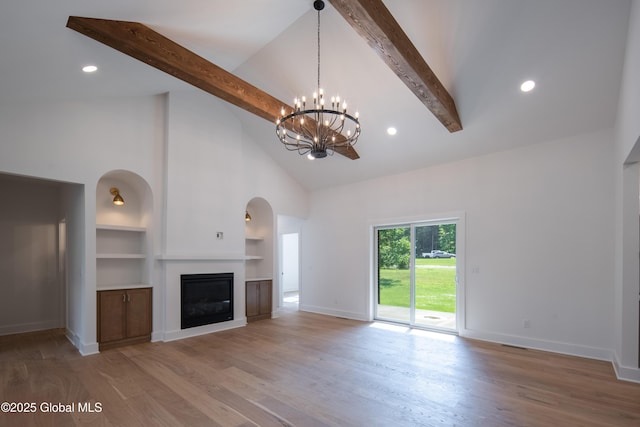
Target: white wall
{"x":627,"y":207}
{"x":538,"y":227}
{"x":31,"y":288}
{"x":205,"y":171}
{"x":72,"y":212}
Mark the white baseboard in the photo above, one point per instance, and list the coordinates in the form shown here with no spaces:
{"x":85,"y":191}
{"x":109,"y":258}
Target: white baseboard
{"x":89,"y":349}
{"x":156,"y":336}
{"x":331,"y":312}
{"x":537,"y":344}
{"x":203,"y":330}
{"x":626,"y":373}
{"x":84,"y":349}
{"x":29,"y":327}
{"x":72,"y":337}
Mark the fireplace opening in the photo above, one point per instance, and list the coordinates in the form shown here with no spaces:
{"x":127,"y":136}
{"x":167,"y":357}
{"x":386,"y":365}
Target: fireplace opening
{"x":205,"y":299}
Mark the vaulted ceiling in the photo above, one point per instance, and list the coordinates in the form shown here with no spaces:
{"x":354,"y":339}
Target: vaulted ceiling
{"x":481,"y":51}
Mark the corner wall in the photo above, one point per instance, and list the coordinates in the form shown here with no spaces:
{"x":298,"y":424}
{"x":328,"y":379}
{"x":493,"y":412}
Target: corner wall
{"x":627,"y":209}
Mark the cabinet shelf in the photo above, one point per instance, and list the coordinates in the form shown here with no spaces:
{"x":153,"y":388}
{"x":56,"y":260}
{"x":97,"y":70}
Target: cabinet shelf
{"x":120,"y":256}
{"x":123,"y":286}
{"x":254,"y":238}
{"x":109,"y":227}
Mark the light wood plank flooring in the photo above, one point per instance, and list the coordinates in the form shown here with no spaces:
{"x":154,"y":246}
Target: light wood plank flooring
{"x":309,"y":370}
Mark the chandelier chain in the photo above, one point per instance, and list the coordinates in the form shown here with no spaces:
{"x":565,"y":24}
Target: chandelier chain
{"x":318,"y":51}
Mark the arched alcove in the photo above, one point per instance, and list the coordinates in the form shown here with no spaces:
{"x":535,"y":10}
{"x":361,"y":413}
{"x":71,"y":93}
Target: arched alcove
{"x":138,"y":206}
{"x":123,"y":259}
{"x":259,"y":249}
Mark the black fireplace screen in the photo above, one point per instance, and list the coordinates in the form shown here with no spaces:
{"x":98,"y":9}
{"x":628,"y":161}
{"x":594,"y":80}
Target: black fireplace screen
{"x":206,"y":299}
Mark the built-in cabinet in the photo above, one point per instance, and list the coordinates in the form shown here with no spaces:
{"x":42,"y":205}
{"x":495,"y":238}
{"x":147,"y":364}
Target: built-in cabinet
{"x":124,"y":317}
{"x":258,"y":302}
{"x":123,"y":261}
{"x":259,"y":260}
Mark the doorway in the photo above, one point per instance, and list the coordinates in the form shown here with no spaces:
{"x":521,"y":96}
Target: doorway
{"x":290,"y":274}
{"x":416,"y":274}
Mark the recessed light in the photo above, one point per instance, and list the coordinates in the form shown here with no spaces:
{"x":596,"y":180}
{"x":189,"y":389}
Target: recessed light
{"x":89,"y":68}
{"x":527,"y":86}
{"x":392,"y":131}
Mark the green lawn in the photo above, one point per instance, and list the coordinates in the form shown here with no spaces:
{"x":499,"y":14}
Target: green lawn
{"x":435,"y":287}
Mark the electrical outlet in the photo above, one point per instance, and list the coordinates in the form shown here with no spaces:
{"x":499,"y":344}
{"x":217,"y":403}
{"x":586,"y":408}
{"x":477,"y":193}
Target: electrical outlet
{"x":526,"y":323}
{"x":219,"y":235}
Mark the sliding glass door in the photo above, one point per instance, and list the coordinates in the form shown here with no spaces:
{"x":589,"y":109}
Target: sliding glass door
{"x":416,"y":274}
{"x":394,"y":274}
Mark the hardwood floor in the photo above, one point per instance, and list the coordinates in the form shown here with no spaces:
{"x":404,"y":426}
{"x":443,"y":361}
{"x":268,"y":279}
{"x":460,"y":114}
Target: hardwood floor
{"x":309,"y":370}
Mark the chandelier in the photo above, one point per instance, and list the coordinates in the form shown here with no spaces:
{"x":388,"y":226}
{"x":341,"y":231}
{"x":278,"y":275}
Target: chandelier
{"x":320,"y":130}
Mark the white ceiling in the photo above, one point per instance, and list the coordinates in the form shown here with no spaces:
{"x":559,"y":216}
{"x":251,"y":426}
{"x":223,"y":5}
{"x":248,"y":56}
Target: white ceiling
{"x":480,"y":49}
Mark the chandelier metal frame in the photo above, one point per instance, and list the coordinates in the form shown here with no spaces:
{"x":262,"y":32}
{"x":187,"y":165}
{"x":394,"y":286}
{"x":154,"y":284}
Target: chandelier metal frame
{"x":318,"y":131}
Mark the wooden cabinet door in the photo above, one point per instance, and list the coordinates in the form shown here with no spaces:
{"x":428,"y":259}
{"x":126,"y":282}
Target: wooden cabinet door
{"x":253,"y":299}
{"x":138,"y":312}
{"x":111,"y":315}
{"x":265,"y":297}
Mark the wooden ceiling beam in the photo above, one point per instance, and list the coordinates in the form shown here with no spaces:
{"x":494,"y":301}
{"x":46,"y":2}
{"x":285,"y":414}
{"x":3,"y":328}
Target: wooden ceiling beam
{"x":141,"y":42}
{"x":373,"y":21}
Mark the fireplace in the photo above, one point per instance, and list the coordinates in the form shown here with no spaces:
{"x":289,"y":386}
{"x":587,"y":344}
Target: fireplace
{"x":205,"y":299}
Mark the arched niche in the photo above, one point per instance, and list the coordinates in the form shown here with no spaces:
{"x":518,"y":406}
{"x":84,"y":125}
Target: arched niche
{"x":259,"y":239}
{"x":138,"y":207}
{"x":124,"y":251}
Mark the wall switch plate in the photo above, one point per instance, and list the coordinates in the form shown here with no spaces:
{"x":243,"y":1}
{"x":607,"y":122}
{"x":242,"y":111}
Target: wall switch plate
{"x":219,"y":235}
